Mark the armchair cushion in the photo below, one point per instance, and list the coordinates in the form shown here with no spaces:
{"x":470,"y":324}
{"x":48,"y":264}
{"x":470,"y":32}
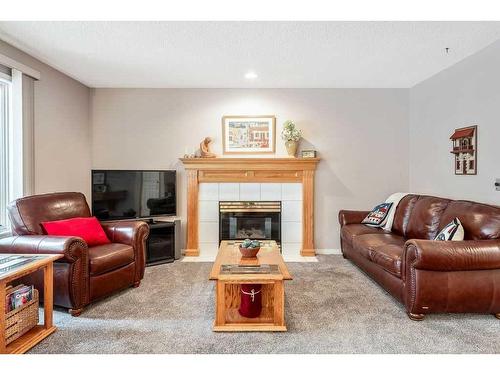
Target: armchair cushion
{"x":88,"y":228}
{"x":106,"y":258}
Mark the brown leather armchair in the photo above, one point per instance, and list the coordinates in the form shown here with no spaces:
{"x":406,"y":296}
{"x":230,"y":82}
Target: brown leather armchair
{"x":430,"y":276}
{"x":85,"y":274}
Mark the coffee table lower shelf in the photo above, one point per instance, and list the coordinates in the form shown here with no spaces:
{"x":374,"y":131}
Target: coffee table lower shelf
{"x":234,"y":322}
{"x":228,"y":318}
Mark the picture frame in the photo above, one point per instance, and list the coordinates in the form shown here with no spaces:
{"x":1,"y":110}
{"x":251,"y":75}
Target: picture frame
{"x":464,"y":150}
{"x":308,"y":154}
{"x":249,"y":134}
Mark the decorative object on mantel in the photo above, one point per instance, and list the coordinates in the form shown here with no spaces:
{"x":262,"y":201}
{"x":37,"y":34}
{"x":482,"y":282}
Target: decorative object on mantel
{"x":291,"y":135}
{"x":189,"y":155}
{"x":465,"y":150}
{"x":249,"y":134}
{"x":306,"y":154}
{"x":205,"y":148}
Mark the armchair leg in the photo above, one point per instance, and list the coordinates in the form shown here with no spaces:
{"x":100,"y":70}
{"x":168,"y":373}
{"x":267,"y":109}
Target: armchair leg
{"x":416,"y":317}
{"x":497,"y":315}
{"x":75,"y":312}
{"x":136,"y":284}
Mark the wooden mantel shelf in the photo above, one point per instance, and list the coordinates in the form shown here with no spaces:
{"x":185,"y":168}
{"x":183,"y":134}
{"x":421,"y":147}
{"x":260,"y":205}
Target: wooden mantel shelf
{"x":254,"y":163}
{"x":251,"y":170}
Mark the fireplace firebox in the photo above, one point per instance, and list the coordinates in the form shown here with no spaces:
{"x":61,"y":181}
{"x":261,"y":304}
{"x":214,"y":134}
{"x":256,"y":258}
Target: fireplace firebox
{"x":254,"y":220}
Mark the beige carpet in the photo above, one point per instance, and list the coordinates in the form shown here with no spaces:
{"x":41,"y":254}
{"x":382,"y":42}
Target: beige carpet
{"x":332,"y":307}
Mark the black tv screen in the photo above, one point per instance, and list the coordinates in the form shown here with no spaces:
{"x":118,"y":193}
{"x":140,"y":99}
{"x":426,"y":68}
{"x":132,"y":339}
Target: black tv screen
{"x":120,"y":194}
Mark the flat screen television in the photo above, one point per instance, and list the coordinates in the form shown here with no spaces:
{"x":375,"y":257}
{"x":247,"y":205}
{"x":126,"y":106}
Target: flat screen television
{"x":127,"y":194}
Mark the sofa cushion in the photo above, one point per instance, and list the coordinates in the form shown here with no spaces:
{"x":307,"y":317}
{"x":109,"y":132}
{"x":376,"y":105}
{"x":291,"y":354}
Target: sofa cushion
{"x":389,"y":258}
{"x":425,"y":218}
{"x":106,"y":258}
{"x":402,"y":214}
{"x":480,"y":221}
{"x":378,"y":216}
{"x":366,"y":243}
{"x":454,"y":231}
{"x":349,"y":231}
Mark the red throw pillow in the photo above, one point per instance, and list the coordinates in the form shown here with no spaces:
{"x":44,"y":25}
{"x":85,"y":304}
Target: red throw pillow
{"x":87,"y":228}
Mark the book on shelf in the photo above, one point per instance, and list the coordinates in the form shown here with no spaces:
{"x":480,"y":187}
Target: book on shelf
{"x":18,"y":296}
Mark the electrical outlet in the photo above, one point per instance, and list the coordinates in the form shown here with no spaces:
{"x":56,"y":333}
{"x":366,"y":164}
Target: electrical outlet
{"x":497,"y":184}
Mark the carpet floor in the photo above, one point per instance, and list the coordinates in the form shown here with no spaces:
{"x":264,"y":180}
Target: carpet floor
{"x":331,"y":307}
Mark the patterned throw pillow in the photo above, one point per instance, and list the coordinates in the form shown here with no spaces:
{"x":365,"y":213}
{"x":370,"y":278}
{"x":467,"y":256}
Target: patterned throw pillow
{"x":378,"y":216}
{"x":454,"y":231}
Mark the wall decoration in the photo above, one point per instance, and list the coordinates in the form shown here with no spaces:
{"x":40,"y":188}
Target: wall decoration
{"x":249,"y":134}
{"x":464,"y":142}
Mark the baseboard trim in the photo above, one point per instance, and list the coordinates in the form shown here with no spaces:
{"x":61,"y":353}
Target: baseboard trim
{"x":328,"y":252}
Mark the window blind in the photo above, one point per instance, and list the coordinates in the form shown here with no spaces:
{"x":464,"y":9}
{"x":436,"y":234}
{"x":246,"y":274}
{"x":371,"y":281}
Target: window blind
{"x":5,"y":70}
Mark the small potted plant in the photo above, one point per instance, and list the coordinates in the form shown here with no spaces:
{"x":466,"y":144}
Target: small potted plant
{"x":291,"y":135}
{"x":249,"y":248}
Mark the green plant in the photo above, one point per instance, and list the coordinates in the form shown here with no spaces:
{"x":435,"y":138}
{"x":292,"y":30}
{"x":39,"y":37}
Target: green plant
{"x":290,"y":132}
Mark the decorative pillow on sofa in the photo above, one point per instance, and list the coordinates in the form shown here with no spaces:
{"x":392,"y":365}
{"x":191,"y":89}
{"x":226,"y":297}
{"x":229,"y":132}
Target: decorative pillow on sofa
{"x":454,"y":231}
{"x":378,"y":216}
{"x":87,"y":228}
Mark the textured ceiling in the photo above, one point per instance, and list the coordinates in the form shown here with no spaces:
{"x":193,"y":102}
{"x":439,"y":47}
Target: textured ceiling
{"x":218,"y":54}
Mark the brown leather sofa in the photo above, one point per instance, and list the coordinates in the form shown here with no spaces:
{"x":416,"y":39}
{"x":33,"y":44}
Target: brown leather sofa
{"x":430,"y":276}
{"x":84,"y":274}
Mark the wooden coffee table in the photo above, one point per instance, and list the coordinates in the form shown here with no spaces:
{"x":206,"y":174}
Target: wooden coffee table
{"x":228,"y":286}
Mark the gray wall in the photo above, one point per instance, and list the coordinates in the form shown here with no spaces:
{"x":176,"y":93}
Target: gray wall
{"x":62,"y":128}
{"x":361,"y":136}
{"x":467,"y":93}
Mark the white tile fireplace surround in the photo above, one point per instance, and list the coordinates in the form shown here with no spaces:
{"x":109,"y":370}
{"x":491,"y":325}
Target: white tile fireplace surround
{"x":290,"y":195}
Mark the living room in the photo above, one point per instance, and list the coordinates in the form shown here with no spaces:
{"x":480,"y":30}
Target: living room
{"x":302,"y":186}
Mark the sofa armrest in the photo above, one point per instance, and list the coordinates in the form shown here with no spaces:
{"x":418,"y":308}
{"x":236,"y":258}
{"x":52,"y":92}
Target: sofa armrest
{"x":73,"y":248}
{"x":133,"y":233}
{"x":351,"y":217}
{"x":452,"y":255}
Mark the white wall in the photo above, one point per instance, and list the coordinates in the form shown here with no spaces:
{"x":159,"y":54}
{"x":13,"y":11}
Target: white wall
{"x":361,"y":135}
{"x":467,"y":93}
{"x":62,"y":128}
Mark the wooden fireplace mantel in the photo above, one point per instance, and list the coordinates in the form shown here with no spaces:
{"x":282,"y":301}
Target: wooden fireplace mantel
{"x":251,"y":170}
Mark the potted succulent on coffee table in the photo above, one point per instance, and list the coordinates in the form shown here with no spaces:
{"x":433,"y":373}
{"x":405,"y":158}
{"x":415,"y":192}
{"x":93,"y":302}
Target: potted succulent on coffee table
{"x":249,"y":248}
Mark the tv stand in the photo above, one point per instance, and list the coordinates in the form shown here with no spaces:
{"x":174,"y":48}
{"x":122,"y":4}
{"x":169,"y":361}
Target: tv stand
{"x":163,"y":243}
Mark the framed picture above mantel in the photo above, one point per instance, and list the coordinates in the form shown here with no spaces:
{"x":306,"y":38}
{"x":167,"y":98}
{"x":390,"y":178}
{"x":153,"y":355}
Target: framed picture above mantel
{"x":249,"y":134}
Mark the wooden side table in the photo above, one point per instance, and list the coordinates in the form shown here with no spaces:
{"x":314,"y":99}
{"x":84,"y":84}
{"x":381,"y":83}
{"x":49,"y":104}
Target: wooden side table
{"x":41,"y":331}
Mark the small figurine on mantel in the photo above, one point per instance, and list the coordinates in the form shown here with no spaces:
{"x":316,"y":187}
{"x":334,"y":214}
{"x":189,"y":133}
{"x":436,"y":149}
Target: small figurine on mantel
{"x":205,"y":148}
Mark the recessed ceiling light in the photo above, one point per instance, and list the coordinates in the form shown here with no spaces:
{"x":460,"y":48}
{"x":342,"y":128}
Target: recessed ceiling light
{"x":250,"y":75}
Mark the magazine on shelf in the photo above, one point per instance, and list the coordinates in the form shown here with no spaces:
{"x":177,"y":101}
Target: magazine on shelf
{"x":18,"y":296}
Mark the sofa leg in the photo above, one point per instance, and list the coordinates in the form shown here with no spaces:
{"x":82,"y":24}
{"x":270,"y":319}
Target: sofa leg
{"x":75,"y":312}
{"x":497,"y":315}
{"x":136,"y":284}
{"x":416,"y":317}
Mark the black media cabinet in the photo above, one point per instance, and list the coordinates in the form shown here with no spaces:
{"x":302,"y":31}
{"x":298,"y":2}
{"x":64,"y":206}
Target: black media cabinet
{"x":163,"y":243}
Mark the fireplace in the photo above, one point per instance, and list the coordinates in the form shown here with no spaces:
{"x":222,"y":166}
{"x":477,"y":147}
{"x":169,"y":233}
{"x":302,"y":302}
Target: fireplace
{"x":254,"y":220}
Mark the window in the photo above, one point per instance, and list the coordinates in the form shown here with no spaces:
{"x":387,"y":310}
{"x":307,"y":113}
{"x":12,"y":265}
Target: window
{"x":5,"y":149}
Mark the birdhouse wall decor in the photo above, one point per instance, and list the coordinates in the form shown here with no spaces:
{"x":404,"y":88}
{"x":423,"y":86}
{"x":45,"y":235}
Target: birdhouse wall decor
{"x":464,"y":143}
